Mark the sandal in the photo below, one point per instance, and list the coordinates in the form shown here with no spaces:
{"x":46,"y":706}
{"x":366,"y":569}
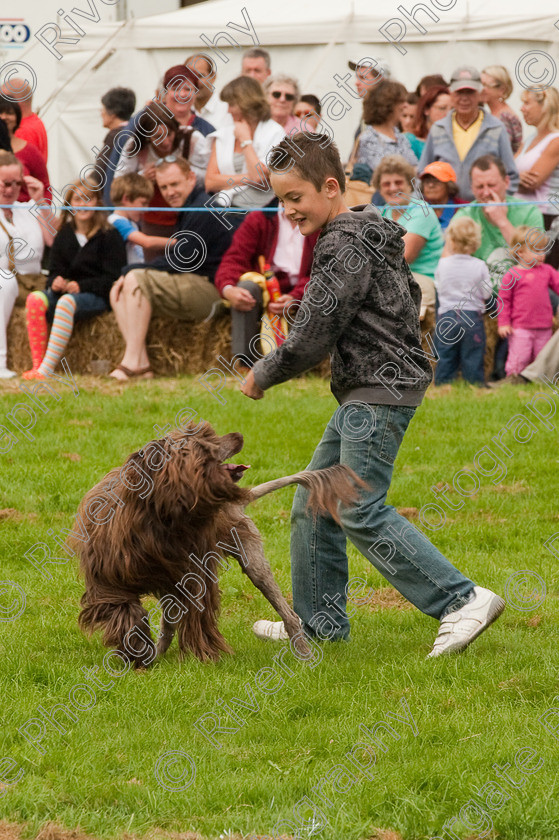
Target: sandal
{"x":141,"y":373}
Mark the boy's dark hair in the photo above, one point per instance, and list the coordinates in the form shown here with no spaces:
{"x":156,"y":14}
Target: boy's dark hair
{"x":9,"y":106}
{"x":313,"y":101}
{"x":133,"y":186}
{"x":379,"y":102}
{"x":485,"y":162}
{"x":119,"y":101}
{"x":312,"y":156}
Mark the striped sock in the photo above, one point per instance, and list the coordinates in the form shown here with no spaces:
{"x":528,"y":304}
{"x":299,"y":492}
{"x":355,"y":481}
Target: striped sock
{"x":60,"y":333}
{"x":36,"y":307}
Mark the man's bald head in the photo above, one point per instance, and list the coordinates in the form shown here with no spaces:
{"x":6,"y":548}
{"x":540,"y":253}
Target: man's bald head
{"x":18,"y":90}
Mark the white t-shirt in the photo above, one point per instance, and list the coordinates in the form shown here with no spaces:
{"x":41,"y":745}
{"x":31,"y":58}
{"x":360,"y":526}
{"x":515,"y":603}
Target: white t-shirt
{"x":29,"y":245}
{"x":289,"y":249}
{"x":462,"y":282}
{"x":134,"y":253}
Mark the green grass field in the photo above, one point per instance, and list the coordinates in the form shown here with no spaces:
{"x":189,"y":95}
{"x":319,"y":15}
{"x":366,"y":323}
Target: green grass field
{"x":469,"y":728}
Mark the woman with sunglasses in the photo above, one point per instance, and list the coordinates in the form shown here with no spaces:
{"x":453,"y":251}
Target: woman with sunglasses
{"x":17,"y":224}
{"x":239,"y":151}
{"x":283,"y":95}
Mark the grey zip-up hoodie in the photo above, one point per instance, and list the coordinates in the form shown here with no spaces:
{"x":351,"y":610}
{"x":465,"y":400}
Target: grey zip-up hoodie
{"x":361,"y":305}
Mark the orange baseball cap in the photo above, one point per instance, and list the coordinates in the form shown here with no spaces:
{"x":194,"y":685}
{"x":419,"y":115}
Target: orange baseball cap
{"x":440,"y":170}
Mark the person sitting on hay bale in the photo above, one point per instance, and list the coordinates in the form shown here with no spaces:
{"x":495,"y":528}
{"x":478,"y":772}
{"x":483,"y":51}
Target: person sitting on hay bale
{"x":168,"y":286}
{"x":276,"y":239}
{"x":20,"y":267}
{"x":86,"y":258}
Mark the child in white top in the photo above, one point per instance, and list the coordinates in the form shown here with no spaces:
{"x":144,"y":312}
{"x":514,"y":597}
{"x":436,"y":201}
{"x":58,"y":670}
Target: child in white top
{"x":133,"y":191}
{"x":463,"y":286}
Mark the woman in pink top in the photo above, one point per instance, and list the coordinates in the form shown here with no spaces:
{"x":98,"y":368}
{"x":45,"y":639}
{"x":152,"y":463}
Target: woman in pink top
{"x":282,"y":93}
{"x":538,"y":159}
{"x":526,"y":316}
{"x":29,"y":155}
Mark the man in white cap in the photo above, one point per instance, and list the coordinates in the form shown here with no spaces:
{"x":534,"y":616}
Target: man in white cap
{"x":467,"y":133}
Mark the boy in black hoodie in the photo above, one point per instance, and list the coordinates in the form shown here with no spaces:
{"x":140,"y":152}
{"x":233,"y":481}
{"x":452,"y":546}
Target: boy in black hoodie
{"x":361,"y":305}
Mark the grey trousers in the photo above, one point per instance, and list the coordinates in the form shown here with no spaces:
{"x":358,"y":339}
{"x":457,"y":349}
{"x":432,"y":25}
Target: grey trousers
{"x":245,"y":326}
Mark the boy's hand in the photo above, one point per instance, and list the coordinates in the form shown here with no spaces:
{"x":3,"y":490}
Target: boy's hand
{"x":506,"y":330}
{"x":251,"y":389}
{"x":73,"y":287}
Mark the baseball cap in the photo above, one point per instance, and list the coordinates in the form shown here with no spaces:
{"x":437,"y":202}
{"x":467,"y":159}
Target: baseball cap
{"x":377,"y":65}
{"x":440,"y":170}
{"x":465,"y":78}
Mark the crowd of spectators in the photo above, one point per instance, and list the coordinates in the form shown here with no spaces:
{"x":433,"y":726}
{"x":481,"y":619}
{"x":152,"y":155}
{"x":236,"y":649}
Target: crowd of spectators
{"x":477,"y":201}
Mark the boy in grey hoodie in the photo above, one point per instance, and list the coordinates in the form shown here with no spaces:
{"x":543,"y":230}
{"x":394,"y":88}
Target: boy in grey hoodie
{"x":361,"y":305}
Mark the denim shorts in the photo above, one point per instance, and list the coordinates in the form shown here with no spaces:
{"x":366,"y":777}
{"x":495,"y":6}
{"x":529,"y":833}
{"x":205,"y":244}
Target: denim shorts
{"x":88,"y":304}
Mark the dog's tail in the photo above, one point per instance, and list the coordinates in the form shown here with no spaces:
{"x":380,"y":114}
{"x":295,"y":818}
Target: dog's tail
{"x":328,"y":488}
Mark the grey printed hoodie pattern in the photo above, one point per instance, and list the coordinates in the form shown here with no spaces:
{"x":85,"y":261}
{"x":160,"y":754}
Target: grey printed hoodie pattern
{"x":361,"y":305}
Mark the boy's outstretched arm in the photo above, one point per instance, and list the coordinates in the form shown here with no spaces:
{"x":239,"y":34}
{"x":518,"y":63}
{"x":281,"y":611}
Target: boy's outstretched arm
{"x":251,"y":389}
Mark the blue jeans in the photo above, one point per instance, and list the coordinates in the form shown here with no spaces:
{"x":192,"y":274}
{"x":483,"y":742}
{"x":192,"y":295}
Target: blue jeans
{"x":365,"y":438}
{"x":467,"y":354}
{"x":88,"y":304}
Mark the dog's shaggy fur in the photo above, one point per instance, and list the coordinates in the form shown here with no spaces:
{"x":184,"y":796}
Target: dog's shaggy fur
{"x":162,"y":523}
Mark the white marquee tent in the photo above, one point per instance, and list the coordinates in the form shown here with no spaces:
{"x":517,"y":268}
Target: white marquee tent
{"x":312,"y":40}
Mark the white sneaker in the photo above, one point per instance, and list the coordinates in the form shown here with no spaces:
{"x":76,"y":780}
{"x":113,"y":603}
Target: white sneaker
{"x":273,"y":630}
{"x":461,"y":627}
{"x":5,"y":373}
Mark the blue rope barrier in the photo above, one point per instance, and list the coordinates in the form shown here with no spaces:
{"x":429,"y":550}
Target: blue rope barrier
{"x":212,"y":209}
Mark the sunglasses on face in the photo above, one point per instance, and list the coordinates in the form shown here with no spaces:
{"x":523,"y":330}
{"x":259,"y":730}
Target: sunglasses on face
{"x":12,"y":184}
{"x":302,"y":114}
{"x":277,"y":94}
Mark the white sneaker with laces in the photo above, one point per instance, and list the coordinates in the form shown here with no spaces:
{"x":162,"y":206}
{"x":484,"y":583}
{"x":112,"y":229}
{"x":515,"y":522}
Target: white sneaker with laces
{"x":273,"y":630}
{"x":5,"y":373}
{"x":461,"y":627}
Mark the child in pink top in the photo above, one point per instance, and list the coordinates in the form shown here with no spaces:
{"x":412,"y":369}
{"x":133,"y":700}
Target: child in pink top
{"x":526,"y":316}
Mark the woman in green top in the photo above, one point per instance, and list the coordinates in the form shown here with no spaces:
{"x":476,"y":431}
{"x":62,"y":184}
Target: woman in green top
{"x":423,"y":240}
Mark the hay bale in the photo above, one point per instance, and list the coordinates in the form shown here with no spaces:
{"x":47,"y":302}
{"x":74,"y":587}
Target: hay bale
{"x":173,"y":346}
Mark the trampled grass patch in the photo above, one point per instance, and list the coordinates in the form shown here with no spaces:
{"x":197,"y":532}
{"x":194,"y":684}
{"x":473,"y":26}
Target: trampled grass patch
{"x":465,"y":746}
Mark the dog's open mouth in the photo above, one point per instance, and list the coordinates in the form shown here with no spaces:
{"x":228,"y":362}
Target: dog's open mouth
{"x":236,"y":470}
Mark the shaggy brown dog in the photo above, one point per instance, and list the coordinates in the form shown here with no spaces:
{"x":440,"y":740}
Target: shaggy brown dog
{"x":162,"y":523}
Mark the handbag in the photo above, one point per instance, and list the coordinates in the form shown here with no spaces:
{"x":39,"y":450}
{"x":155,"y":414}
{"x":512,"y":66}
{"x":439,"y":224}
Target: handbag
{"x":26,"y":282}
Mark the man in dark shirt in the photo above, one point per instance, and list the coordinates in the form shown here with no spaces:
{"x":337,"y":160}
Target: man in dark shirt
{"x":178,"y":284}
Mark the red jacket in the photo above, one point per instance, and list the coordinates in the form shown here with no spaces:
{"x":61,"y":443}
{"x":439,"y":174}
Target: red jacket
{"x":258,"y":236}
